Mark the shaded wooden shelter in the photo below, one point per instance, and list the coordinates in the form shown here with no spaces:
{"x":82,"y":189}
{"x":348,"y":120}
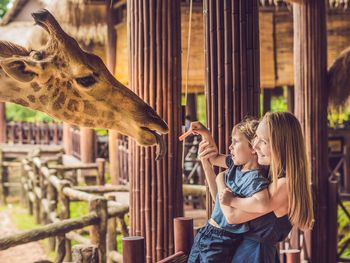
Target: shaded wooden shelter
{"x":234,"y":65}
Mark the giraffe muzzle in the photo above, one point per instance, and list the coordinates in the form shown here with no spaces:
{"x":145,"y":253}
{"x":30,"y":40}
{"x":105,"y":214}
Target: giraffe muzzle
{"x":161,"y":146}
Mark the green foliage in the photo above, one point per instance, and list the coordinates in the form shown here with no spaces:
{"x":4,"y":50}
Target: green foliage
{"x":344,"y":229}
{"x":279,"y":104}
{"x":23,"y":221}
{"x":201,"y":111}
{"x":4,"y":4}
{"x":15,"y":112}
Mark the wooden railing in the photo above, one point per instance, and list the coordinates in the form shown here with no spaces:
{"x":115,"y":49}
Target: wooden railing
{"x":33,"y":133}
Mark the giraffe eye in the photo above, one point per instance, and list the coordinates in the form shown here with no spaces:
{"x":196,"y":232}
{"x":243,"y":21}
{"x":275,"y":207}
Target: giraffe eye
{"x":86,"y":81}
{"x":37,"y":55}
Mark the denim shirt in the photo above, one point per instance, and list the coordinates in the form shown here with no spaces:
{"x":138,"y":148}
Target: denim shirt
{"x":242,"y":184}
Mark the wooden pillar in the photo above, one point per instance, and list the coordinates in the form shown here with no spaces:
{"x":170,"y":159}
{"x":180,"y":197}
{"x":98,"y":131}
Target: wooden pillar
{"x":310,"y":50}
{"x":2,"y":122}
{"x":232,"y":84}
{"x":111,"y":52}
{"x":67,"y":139}
{"x":266,"y":100}
{"x":155,"y":75}
{"x":191,"y":106}
{"x":87,"y":145}
{"x":290,"y":98}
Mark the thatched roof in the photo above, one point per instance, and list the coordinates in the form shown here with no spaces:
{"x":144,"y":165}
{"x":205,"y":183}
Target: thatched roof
{"x":83,"y":21}
{"x":332,"y":3}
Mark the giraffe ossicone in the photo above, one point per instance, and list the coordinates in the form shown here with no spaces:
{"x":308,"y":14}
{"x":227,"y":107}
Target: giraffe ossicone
{"x":75,"y":86}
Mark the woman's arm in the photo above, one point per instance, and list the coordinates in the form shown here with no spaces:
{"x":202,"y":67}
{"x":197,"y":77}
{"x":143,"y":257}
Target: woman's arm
{"x":233,"y":215}
{"x":278,"y":198}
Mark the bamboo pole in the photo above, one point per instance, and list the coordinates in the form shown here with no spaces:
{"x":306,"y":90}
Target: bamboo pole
{"x":155,"y":68}
{"x":232,"y":75}
{"x":310,"y":69}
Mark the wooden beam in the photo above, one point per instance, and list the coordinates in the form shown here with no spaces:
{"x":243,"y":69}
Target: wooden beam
{"x":3,"y":122}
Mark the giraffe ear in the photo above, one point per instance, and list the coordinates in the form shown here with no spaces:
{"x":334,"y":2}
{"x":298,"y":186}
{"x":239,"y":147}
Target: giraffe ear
{"x":16,"y":68}
{"x":8,"y":49}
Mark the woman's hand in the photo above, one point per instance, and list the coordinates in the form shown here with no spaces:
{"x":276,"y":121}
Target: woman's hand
{"x":206,"y":151}
{"x":225,"y":197}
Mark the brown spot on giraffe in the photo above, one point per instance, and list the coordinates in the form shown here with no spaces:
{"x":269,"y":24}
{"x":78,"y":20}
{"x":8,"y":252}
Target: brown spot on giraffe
{"x":89,"y":108}
{"x":55,"y":92}
{"x":35,"y":86}
{"x":57,"y":105}
{"x":67,"y":115}
{"x":31,"y":98}
{"x":73,"y":105}
{"x":43,"y":99}
{"x":20,"y":102}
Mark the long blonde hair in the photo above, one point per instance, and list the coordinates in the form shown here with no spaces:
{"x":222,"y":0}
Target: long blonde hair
{"x":288,"y":156}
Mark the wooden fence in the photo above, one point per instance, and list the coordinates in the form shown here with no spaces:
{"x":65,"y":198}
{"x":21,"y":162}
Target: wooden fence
{"x":33,"y":133}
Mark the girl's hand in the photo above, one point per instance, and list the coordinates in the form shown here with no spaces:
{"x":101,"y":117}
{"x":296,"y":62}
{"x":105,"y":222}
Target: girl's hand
{"x":226,"y":197}
{"x":197,"y":128}
{"x":206,"y":151}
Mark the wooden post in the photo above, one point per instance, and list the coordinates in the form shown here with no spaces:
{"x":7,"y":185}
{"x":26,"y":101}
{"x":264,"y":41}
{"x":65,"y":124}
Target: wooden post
{"x":155,"y":76}
{"x":87,"y":145}
{"x":3,"y":136}
{"x":292,"y":256}
{"x":111,"y":52}
{"x":192,"y":106}
{"x":65,"y":214}
{"x":133,"y":249}
{"x":2,"y":188}
{"x":98,"y":232}
{"x":101,"y":168}
{"x":111,"y":233}
{"x":333,"y":221}
{"x":52,"y":198}
{"x":67,"y":139}
{"x":290,"y":98}
{"x":310,"y":62}
{"x":183,"y":234}
{"x":232,"y":73}
{"x":266,"y":100}
{"x":86,"y":254}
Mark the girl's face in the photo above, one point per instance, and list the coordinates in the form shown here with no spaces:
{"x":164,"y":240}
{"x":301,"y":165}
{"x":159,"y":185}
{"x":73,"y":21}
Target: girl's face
{"x":240,"y":149}
{"x":262,"y":144}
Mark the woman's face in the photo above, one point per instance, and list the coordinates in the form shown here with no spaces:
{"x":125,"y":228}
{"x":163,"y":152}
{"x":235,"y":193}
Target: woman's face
{"x":262,"y":144}
{"x":240,"y":149}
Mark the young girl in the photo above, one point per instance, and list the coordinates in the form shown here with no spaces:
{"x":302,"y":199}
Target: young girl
{"x":217,"y":240}
{"x":279,"y":143}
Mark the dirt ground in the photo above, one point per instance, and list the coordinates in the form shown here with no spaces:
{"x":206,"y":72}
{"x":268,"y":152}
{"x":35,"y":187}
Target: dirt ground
{"x":27,"y":253}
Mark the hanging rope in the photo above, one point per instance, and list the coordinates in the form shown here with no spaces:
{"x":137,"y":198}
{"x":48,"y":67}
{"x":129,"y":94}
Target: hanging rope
{"x":187,"y":71}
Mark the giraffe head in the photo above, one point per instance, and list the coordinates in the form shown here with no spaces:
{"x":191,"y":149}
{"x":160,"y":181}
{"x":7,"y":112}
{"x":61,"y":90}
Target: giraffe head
{"x":75,"y":86}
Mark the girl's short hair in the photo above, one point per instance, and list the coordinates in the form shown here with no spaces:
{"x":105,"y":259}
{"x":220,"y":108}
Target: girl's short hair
{"x":248,"y":127}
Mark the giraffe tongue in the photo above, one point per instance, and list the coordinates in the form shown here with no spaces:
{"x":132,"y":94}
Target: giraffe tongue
{"x":161,"y":147}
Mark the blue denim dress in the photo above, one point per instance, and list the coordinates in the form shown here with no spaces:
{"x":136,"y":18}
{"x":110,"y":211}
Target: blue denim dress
{"x":213,"y":244}
{"x":259,"y":243}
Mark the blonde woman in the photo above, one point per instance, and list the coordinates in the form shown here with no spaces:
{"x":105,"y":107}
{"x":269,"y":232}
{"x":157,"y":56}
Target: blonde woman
{"x":279,"y":144}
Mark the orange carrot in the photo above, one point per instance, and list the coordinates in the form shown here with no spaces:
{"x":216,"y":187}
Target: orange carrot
{"x":184,"y":135}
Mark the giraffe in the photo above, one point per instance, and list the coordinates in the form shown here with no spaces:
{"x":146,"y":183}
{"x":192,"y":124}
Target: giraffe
{"x":75,"y":86}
